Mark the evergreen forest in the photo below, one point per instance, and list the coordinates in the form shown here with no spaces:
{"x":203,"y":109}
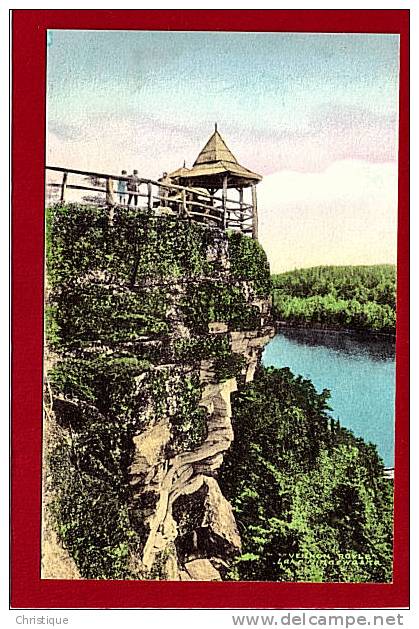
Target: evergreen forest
{"x":348,"y":297}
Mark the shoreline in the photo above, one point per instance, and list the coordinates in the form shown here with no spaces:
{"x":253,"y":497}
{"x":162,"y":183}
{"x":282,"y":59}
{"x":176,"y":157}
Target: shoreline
{"x":321,"y":327}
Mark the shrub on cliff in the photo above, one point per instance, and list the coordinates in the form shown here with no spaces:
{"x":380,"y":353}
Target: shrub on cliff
{"x":309,"y":497}
{"x":249,"y":262}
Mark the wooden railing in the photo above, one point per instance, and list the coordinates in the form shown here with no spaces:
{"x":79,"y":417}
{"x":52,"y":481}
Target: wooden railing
{"x":155,"y":196}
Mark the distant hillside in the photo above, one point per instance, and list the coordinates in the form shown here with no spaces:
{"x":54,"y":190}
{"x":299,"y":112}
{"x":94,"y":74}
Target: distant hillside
{"x":358,"y":297}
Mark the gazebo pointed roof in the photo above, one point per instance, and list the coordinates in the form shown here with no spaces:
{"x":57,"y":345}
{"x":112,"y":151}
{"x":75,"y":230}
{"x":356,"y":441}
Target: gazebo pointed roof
{"x":215,"y":150}
{"x":215,"y":162}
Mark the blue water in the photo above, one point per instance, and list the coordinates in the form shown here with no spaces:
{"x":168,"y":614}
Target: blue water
{"x":358,"y":371}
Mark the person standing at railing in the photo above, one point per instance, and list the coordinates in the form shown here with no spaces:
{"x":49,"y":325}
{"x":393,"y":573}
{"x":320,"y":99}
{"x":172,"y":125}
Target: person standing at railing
{"x":163,"y":191}
{"x":122,"y":188}
{"x":133,"y":187}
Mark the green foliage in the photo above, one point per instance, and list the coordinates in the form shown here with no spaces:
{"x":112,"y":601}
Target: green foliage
{"x":134,"y":246}
{"x":208,"y":302}
{"x":309,"y":498}
{"x":92,"y":517}
{"x":108,"y":278}
{"x":187,"y":350}
{"x":177,"y":396}
{"x":356,"y":297}
{"x":362,"y":283}
{"x":91,"y":492}
{"x":228,"y":366}
{"x":107,"y":381}
{"x":108,"y":315}
{"x":249,"y":262}
{"x":98,"y":409}
{"x":52,"y":328}
{"x":328,"y":310}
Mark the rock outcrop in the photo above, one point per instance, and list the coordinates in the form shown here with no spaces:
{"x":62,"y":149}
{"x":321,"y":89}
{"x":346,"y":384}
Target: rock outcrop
{"x":142,"y":387}
{"x":192,"y":521}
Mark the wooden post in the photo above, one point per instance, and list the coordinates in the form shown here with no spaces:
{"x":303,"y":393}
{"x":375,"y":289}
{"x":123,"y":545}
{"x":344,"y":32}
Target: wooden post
{"x":110,"y":199}
{"x":255,"y":213}
{"x":149,"y":195}
{"x":184,"y":208}
{"x":241,"y":207}
{"x":225,"y":202}
{"x":64,"y":186}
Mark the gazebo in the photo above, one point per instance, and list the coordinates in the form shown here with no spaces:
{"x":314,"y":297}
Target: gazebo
{"x":180,"y":173}
{"x":215,"y":169}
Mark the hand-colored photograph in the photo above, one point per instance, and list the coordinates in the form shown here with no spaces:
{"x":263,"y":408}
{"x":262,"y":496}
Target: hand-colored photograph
{"x":220,"y":306}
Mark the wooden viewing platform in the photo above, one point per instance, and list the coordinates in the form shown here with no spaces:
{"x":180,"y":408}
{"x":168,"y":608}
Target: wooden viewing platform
{"x":189,"y":193}
{"x":163,"y":199}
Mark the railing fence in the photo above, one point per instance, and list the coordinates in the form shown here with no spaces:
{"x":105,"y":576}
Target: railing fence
{"x":160,"y":197}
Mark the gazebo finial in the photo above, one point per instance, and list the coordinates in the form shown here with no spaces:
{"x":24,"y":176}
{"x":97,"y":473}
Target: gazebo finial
{"x":215,"y":127}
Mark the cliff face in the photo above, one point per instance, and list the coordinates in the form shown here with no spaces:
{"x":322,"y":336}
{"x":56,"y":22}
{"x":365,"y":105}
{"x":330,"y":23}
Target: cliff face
{"x":152,"y":325}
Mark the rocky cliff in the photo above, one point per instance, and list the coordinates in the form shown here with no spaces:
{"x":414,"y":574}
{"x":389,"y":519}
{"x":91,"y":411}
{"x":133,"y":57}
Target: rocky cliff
{"x":152,"y":325}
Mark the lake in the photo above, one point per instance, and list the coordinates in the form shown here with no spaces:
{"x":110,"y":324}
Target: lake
{"x":359,"y":371}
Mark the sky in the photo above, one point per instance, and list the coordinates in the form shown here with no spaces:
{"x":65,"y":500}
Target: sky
{"x":315,"y":114}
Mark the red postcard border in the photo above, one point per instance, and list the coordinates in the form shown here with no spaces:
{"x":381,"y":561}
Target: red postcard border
{"x":28,"y":160}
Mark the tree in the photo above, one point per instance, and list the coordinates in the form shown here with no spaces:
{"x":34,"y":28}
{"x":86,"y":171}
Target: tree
{"x":310,"y":499}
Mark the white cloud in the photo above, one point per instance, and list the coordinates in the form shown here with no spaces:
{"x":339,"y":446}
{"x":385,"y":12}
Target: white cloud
{"x":346,"y":214}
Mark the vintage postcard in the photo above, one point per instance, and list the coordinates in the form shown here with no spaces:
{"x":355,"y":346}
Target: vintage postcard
{"x":223,"y":247}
